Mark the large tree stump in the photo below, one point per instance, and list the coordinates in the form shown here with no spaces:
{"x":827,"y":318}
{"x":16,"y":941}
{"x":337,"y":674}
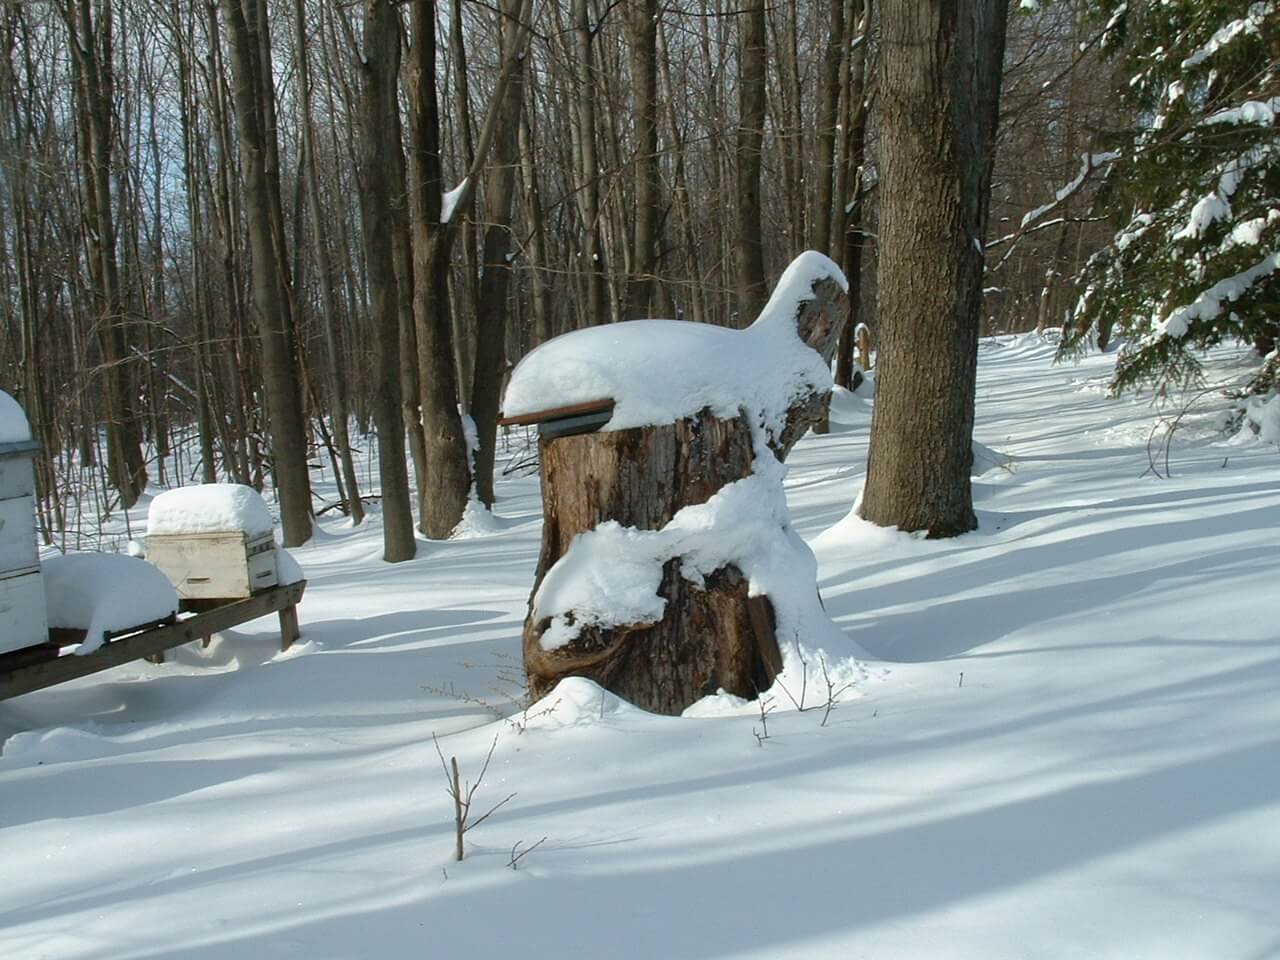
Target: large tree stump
{"x":711,"y":635}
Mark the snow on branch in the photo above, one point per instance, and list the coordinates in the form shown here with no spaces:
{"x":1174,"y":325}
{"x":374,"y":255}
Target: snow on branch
{"x":1089,"y":162}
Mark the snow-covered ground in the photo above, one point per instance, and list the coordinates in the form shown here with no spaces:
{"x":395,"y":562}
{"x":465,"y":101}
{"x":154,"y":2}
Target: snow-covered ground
{"x":1069,"y":747}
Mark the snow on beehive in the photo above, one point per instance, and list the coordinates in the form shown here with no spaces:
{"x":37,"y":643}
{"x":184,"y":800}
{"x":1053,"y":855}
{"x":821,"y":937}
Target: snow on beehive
{"x":100,"y":592}
{"x":210,"y":508}
{"x":13,"y":422}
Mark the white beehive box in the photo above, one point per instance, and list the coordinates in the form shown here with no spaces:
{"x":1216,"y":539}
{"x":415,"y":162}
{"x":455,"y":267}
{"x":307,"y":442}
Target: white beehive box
{"x":213,"y":541}
{"x":22,"y":603}
{"x":209,"y":566}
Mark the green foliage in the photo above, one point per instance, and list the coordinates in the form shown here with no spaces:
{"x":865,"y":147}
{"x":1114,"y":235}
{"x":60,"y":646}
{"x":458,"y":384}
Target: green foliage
{"x":1196,"y":192}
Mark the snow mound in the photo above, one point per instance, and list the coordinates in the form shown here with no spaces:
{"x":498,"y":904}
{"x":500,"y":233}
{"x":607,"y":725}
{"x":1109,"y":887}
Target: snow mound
{"x":210,"y":508}
{"x":100,"y":592}
{"x":610,"y":576}
{"x":477,"y":521}
{"x":853,"y":407}
{"x":13,"y":422}
{"x":1263,"y":418}
{"x":288,"y":570}
{"x":661,"y":371}
{"x":577,"y":702}
{"x":985,"y":459}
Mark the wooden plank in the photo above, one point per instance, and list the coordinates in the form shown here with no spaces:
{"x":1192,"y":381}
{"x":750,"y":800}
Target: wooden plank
{"x":214,"y":565}
{"x":25,"y":679}
{"x":289,"y":630}
{"x":572,"y":426}
{"x":556,"y":413}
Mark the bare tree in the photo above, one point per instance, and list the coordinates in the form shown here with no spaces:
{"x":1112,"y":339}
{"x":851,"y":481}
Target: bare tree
{"x":254,"y":104}
{"x":752,"y":290}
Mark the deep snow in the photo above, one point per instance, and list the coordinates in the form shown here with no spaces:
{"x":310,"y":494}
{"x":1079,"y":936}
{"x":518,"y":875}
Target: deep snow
{"x":1069,"y":747}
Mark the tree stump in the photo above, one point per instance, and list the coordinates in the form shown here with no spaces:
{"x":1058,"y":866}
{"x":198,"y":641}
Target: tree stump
{"x":631,"y":483}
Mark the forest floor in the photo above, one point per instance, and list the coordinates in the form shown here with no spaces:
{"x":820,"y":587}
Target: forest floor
{"x":1067,"y":743}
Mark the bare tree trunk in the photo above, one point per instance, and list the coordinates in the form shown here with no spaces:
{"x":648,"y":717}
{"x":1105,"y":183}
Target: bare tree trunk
{"x":940,"y":70}
{"x":443,"y":498}
{"x":851,"y":195}
{"x":91,"y":45}
{"x":271,"y":297}
{"x":328,"y":298}
{"x":380,"y":66}
{"x":539,"y":262}
{"x":828,"y":106}
{"x":491,"y":310}
{"x":752,"y":290}
{"x":642,"y":40}
{"x":584,"y":33}
{"x":410,"y":384}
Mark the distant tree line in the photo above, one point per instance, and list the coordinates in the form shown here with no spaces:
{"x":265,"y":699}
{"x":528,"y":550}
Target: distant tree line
{"x":240,"y":237}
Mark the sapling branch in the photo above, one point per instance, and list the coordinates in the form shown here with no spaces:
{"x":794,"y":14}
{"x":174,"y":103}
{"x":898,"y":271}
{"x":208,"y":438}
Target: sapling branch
{"x":464,"y":796}
{"x":516,"y":857}
{"x":767,"y":706}
{"x":833,"y":692}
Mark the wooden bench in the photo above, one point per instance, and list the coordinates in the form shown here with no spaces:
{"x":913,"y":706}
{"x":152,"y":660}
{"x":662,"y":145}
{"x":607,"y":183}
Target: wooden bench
{"x":44,"y":665}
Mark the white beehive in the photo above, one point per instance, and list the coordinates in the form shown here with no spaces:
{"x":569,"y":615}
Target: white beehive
{"x":22,"y":603}
{"x":213,"y":541}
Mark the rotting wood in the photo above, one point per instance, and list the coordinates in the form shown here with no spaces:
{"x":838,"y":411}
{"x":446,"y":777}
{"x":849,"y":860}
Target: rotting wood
{"x":711,"y":636}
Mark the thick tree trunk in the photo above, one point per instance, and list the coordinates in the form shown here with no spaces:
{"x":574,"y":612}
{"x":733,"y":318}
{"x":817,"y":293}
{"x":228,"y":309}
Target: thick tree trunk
{"x":940,"y":68}
{"x":709,"y":638}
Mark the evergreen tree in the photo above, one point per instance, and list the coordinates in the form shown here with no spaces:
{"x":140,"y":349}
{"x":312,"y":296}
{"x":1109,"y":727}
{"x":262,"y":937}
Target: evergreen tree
{"x":1197,"y":187}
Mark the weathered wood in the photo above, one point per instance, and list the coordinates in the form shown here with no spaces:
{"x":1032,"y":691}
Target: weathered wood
{"x":219,"y":566}
{"x":556,"y":413}
{"x":710,"y":637}
{"x":19,"y":675}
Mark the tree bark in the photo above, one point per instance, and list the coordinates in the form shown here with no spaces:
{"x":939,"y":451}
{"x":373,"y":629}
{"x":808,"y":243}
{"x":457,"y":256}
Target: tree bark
{"x":642,"y":49}
{"x":584,"y":32}
{"x":491,"y":308}
{"x":270,"y":294}
{"x":940,"y":68}
{"x":380,"y":67}
{"x":328,"y":297}
{"x":91,"y":46}
{"x":752,"y":289}
{"x":708,"y":638}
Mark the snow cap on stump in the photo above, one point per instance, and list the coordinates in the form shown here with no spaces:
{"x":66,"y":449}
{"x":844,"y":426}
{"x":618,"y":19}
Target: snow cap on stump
{"x":662,"y":371}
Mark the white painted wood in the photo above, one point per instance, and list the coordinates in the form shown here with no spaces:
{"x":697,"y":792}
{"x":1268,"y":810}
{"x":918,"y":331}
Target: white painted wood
{"x":16,"y":479}
{"x":23,"y":618}
{"x":17,"y":535}
{"x":204,"y":566}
